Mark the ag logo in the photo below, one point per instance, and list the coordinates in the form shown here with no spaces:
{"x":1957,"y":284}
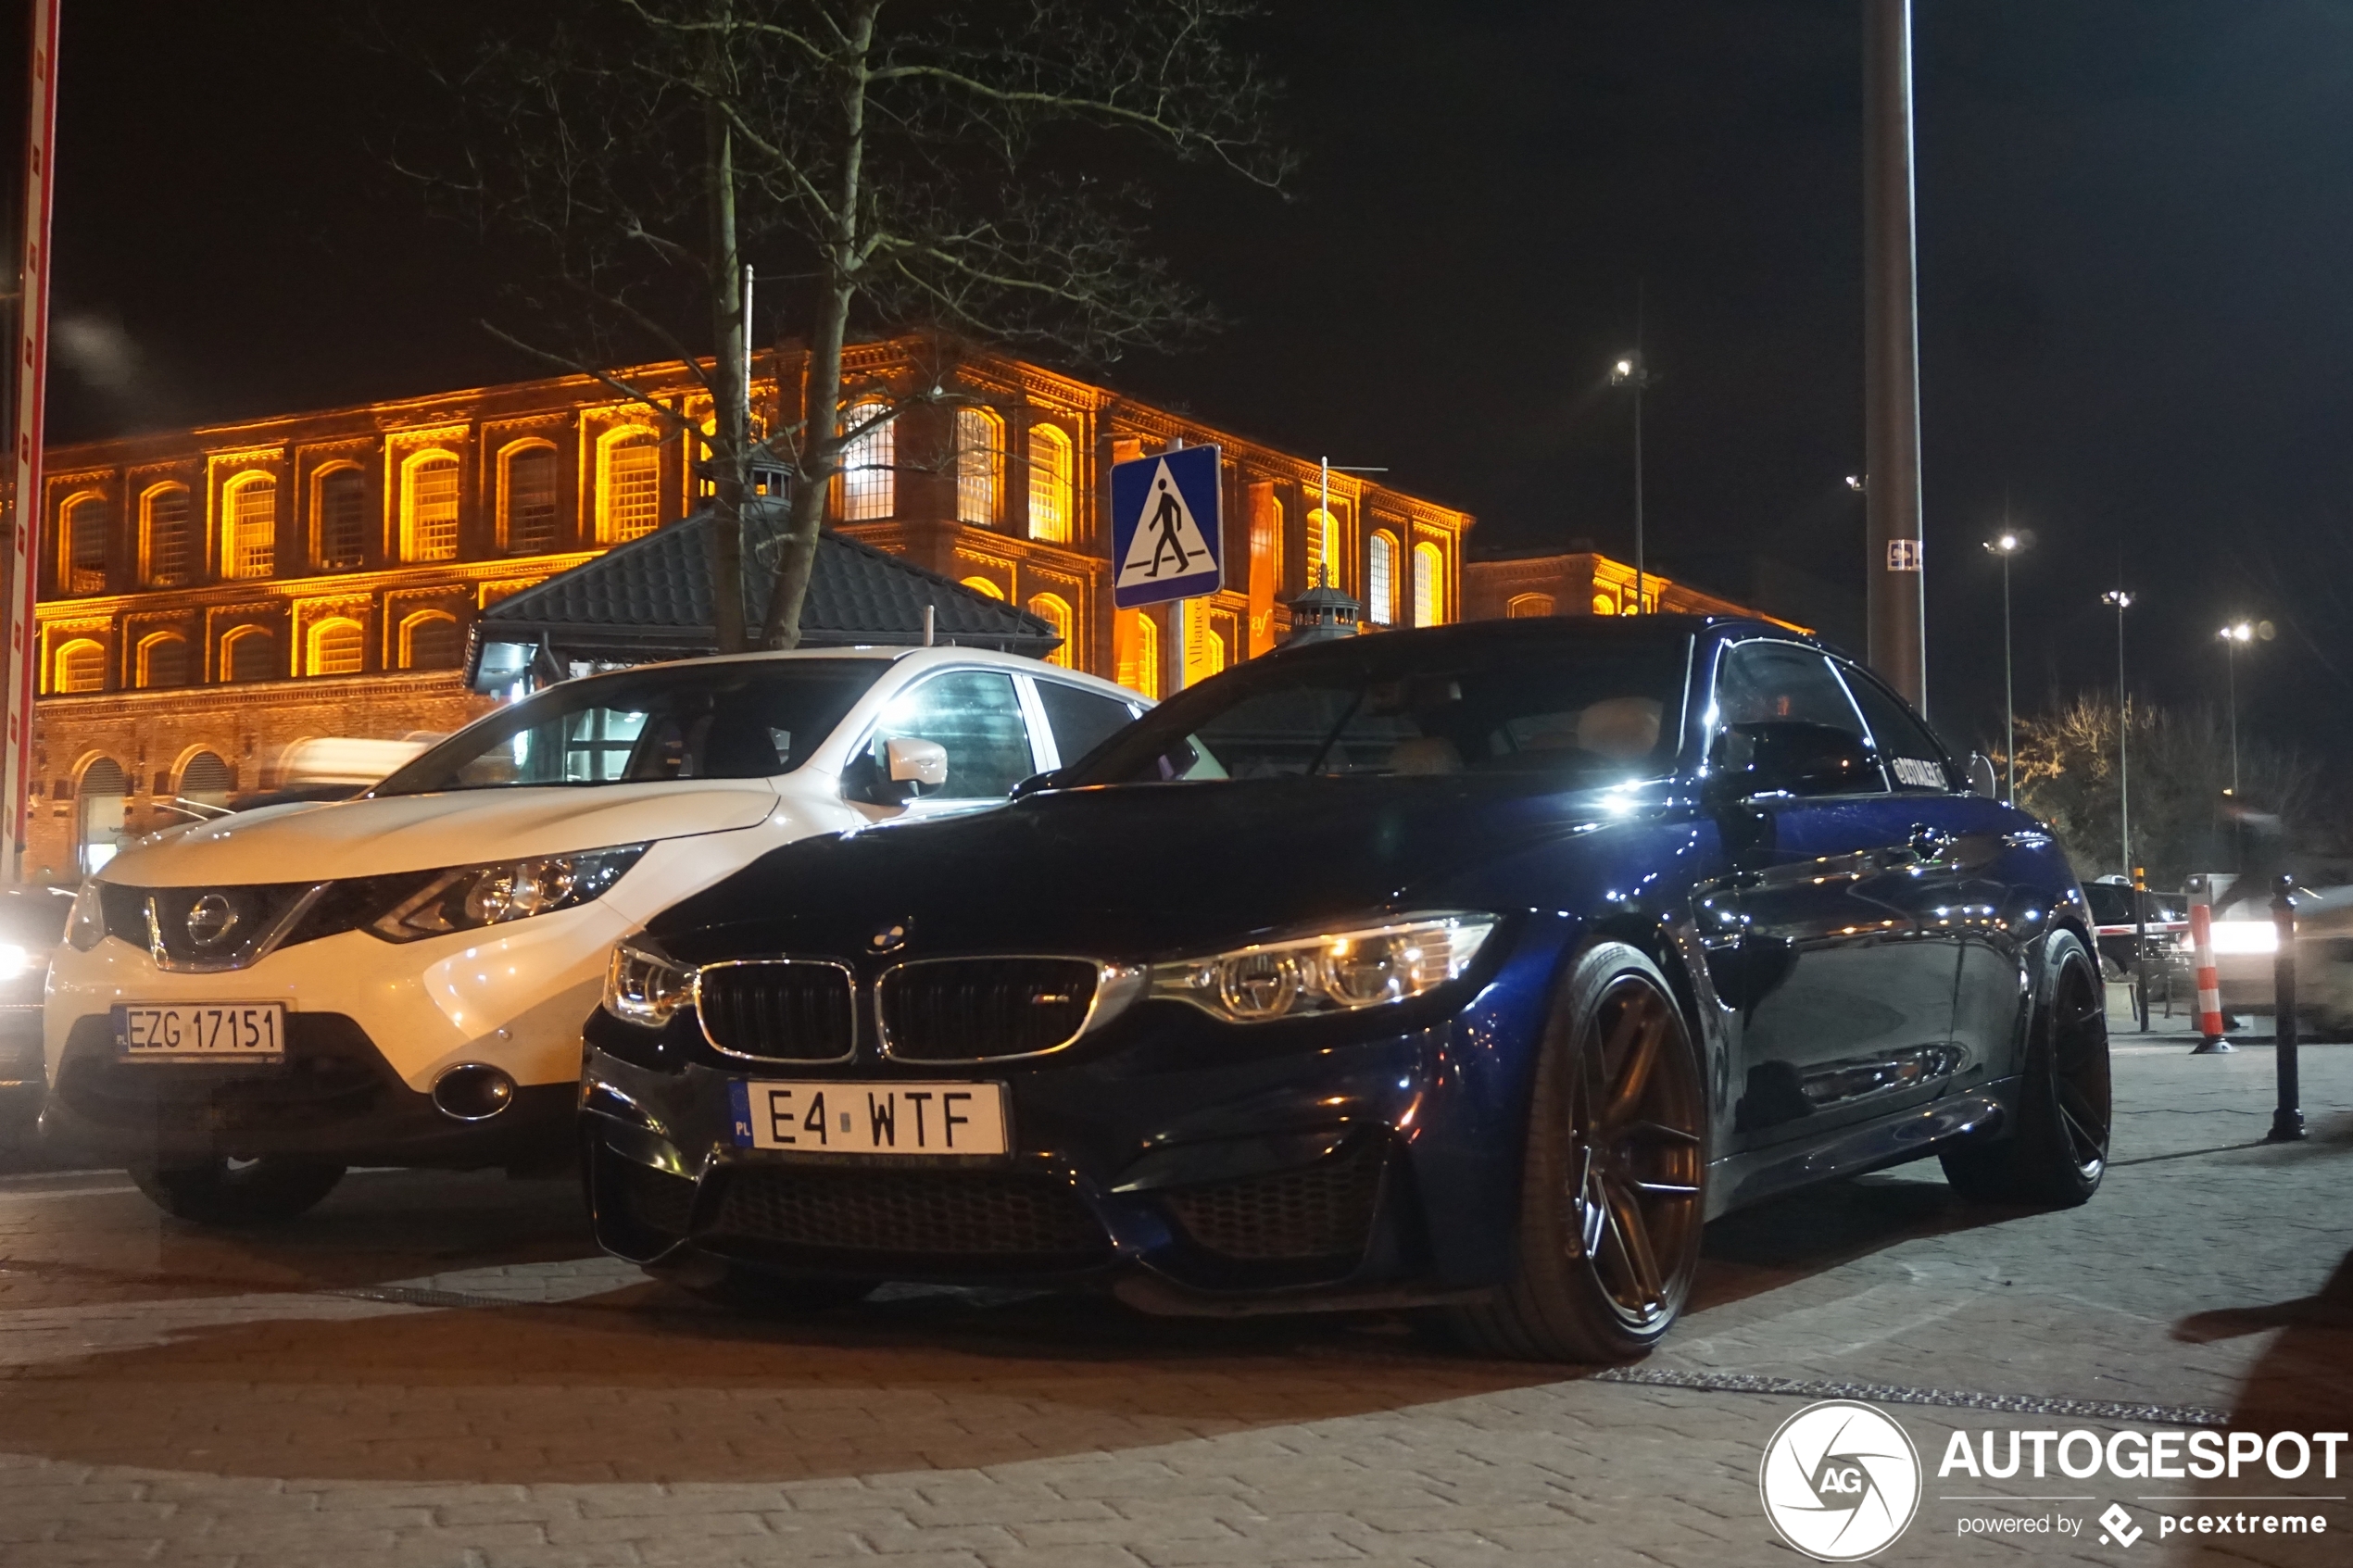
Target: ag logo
{"x":1840,"y":1481}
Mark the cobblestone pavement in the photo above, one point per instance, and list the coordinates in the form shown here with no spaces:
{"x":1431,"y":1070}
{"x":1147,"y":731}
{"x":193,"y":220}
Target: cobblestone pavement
{"x":439,"y":1371}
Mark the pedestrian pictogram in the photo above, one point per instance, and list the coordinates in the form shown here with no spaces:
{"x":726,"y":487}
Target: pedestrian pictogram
{"x":1166,"y":527}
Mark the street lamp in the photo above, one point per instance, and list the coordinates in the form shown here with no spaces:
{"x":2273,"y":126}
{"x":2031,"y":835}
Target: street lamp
{"x":2008,"y":543}
{"x":2120,"y":601}
{"x":2234,"y":637}
{"x":1631,"y":372}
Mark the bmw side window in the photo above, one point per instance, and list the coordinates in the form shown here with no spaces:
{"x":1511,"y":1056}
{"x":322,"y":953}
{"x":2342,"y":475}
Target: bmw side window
{"x":1915,"y":760}
{"x":974,"y":715}
{"x":1760,"y":682}
{"x":1081,"y":719}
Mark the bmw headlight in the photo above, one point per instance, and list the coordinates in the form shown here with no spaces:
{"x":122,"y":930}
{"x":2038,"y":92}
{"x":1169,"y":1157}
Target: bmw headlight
{"x":1337,"y":972}
{"x":644,"y":987}
{"x":468,"y":897}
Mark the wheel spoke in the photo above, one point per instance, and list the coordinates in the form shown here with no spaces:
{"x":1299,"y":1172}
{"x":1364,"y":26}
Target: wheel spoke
{"x":1664,"y":1189}
{"x":1633,"y":1235}
{"x":1634,"y":1071}
{"x":2083,"y":1124}
{"x":1660,"y":1130}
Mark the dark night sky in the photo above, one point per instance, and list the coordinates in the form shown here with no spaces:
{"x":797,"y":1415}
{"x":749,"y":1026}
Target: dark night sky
{"x":2136,"y":218}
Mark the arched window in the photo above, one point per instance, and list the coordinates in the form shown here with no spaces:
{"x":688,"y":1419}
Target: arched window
{"x":163,"y":660}
{"x":249,"y":543}
{"x":163,"y":536}
{"x":1323,"y":550}
{"x":429,"y":508}
{"x":431,"y":639}
{"x":1136,"y":652}
{"x":100,"y":805}
{"x":1430,"y":584}
{"x":249,"y":653}
{"x":79,"y":665}
{"x":1048,"y":483}
{"x":337,"y":648}
{"x":1266,"y":549}
{"x":628,"y":485}
{"x":527,"y":499}
{"x":869,"y":463}
{"x":1528,"y":607}
{"x":980,"y":465}
{"x":85,"y":544}
{"x":1055,"y":613}
{"x":339,"y":507}
{"x":207,"y":778}
{"x":1380,"y":581}
{"x":1604,"y":604}
{"x":983,"y":586}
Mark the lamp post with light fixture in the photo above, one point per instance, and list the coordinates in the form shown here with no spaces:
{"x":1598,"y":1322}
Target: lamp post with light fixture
{"x":2120,"y":601}
{"x":1632,"y":371}
{"x":2234,"y":637}
{"x":2006,"y":544}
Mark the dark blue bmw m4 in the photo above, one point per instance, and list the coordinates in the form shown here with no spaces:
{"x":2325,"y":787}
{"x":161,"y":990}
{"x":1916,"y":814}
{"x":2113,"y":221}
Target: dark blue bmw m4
{"x":1473,"y":968}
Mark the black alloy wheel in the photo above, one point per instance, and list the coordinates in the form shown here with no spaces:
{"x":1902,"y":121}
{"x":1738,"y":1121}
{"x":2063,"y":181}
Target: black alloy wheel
{"x":1611,"y":1203}
{"x":2058,"y":1152}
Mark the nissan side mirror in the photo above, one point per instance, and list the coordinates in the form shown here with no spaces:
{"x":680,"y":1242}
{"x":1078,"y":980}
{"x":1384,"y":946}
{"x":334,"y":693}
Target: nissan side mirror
{"x":923,"y":763}
{"x":1794,"y":756}
{"x":1981,"y":777}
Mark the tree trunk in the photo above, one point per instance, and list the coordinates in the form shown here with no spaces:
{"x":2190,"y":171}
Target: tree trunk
{"x":731,"y":415}
{"x":821,"y":445}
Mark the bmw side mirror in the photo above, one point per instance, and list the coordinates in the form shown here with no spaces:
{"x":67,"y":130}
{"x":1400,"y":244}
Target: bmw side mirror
{"x":1035,"y":784}
{"x":1982,"y":778}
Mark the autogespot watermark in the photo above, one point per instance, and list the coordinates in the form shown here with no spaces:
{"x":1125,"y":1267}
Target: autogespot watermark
{"x":1841,"y":1482}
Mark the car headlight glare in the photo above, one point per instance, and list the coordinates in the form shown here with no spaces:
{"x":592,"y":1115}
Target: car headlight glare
{"x":1339,"y":971}
{"x":87,"y":926}
{"x":644,"y":987}
{"x":468,"y":897}
{"x":2241,"y":937}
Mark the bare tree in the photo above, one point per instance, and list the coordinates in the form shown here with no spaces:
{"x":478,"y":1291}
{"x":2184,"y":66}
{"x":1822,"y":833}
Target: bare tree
{"x":956,"y":165}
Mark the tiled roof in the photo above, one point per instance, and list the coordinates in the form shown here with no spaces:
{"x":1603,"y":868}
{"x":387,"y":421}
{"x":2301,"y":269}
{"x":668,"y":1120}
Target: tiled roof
{"x":653,"y":595}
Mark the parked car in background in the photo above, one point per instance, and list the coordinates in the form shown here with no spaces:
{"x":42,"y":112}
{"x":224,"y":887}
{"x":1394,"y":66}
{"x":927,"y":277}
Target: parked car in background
{"x":1474,"y":966}
{"x":2162,"y":923}
{"x":247,"y":1006}
{"x":32,"y":923}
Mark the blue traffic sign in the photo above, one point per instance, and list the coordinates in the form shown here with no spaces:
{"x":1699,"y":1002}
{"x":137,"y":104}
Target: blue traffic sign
{"x":1167,"y":532}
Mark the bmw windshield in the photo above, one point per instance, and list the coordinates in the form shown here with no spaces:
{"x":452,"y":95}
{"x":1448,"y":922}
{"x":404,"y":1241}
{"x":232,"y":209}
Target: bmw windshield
{"x":736,"y":720}
{"x":1584,"y":711}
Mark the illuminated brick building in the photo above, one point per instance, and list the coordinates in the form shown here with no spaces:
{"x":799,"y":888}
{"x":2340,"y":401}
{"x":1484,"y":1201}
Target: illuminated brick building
{"x":212,"y":596}
{"x":1576,"y":582}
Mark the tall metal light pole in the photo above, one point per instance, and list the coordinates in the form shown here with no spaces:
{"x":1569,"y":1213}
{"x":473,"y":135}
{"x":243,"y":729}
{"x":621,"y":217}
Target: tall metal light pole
{"x":2234,"y":637}
{"x":2120,"y":601}
{"x":2007,"y":544}
{"x":1896,"y":605}
{"x":1632,"y":371}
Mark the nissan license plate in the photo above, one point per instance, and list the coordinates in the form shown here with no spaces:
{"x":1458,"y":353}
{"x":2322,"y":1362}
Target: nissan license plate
{"x":244,"y":1031}
{"x":898,"y":1118}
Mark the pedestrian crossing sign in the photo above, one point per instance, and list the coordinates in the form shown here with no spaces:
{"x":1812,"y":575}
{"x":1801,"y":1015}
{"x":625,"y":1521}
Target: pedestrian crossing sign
{"x":1167,"y":527}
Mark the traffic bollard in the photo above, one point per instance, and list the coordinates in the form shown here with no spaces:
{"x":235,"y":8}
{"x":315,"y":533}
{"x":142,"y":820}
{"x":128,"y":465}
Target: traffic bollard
{"x":2288,"y":1120}
{"x":2141,"y":944}
{"x":2209,"y":983}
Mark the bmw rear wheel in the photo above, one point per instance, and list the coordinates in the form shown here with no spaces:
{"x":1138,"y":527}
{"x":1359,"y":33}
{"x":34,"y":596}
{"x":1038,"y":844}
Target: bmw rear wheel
{"x":228,"y":1190}
{"x":2058,"y":1152}
{"x":1610,"y":1205}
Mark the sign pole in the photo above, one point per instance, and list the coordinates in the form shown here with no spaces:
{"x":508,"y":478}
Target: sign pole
{"x":33,"y":363}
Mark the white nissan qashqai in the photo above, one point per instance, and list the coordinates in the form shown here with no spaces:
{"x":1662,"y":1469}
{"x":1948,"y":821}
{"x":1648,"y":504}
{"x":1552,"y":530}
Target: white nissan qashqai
{"x":246,"y":1007}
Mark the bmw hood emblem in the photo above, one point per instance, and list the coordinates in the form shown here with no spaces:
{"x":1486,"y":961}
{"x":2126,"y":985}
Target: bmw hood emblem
{"x":889,"y":938}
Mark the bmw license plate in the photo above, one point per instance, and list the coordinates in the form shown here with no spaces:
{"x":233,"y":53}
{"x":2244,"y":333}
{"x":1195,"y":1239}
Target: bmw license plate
{"x":898,"y":1118}
{"x":244,"y":1031}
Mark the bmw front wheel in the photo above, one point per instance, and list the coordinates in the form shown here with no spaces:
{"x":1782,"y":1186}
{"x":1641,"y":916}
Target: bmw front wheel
{"x":1610,"y":1204}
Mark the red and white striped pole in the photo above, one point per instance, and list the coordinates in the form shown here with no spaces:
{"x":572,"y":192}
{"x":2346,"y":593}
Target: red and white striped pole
{"x":2209,"y":980}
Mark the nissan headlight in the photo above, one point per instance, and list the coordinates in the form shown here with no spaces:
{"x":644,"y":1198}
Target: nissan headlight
{"x":87,"y":926}
{"x":644,"y":987}
{"x":468,"y":897}
{"x":1337,"y":972}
